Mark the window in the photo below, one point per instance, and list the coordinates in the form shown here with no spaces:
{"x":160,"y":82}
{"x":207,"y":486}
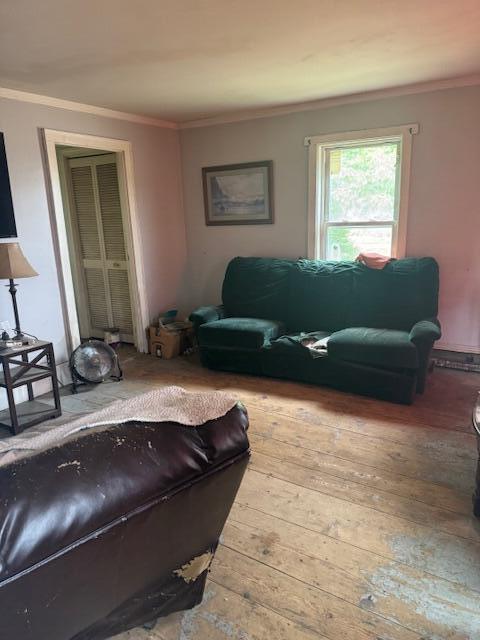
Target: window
{"x":358,"y":193}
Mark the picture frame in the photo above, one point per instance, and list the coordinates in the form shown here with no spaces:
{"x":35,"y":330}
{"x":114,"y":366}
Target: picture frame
{"x":238,"y":193}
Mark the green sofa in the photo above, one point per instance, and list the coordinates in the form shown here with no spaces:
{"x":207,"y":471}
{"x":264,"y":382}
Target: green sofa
{"x":381,"y":323}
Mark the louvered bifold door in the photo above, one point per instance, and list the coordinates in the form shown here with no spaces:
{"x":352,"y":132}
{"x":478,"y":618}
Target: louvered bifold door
{"x":98,"y":222}
{"x":116,"y":264}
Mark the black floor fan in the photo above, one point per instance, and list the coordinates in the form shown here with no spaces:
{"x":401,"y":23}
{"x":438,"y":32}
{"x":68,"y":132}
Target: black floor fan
{"x":93,"y":362}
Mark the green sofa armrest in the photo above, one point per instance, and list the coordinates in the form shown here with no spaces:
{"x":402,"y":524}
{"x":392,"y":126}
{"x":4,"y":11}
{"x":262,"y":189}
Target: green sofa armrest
{"x":425,"y":332}
{"x":202,"y":315}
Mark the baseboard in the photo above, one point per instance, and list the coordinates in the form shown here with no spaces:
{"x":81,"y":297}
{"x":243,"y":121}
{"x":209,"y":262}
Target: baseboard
{"x":64,"y":374}
{"x":453,"y":359}
{"x":461,"y":348}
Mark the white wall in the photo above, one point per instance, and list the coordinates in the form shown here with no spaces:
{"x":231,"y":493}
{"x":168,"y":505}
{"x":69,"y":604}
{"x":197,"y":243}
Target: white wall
{"x":444,"y":217}
{"x":158,"y":189}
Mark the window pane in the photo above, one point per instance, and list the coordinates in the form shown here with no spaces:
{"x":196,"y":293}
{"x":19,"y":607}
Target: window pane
{"x":345,"y":243}
{"x":361,"y":183}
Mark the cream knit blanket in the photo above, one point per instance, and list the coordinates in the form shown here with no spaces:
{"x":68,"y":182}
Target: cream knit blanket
{"x":167,"y":404}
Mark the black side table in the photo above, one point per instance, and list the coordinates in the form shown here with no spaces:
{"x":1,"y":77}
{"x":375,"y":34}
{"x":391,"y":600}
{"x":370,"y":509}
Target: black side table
{"x":476,"y":426}
{"x":24,"y":366}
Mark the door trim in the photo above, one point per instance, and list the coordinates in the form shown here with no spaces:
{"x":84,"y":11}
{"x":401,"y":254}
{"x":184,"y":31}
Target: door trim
{"x":123,"y":149}
{"x":78,"y":275}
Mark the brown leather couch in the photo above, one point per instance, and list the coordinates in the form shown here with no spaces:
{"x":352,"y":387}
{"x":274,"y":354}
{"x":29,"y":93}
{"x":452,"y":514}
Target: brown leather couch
{"x":105,"y":532}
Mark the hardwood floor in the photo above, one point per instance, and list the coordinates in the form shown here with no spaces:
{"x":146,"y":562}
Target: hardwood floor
{"x":353,"y":521}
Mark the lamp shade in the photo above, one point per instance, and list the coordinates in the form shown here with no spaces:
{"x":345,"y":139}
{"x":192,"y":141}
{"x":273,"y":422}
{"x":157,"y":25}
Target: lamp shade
{"x":13,"y":263}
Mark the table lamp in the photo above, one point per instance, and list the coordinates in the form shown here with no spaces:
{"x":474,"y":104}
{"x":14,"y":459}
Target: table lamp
{"x":13,"y":264}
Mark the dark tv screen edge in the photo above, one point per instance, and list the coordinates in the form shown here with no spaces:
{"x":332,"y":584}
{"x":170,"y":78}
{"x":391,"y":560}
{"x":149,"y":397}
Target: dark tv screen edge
{"x":8,"y":228}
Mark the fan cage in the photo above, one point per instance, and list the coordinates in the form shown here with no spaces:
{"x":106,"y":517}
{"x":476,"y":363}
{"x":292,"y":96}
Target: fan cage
{"x":81,"y":353}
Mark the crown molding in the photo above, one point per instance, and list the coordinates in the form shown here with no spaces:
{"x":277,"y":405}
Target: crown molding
{"x":79,"y":107}
{"x":324,"y":103}
{"x":241,"y":116}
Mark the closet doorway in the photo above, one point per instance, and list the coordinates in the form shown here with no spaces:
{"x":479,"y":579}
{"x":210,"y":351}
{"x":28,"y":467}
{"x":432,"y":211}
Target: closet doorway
{"x":96,"y":238}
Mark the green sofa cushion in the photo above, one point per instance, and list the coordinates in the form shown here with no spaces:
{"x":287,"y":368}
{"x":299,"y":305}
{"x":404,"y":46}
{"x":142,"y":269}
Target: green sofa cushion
{"x":241,"y":333}
{"x":320,"y":295}
{"x":397,"y":297}
{"x":387,"y":348}
{"x":257,"y":287}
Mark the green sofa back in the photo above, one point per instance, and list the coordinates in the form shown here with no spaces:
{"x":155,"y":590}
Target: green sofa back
{"x":396,"y":297}
{"x":318,"y":295}
{"x":257,"y":288}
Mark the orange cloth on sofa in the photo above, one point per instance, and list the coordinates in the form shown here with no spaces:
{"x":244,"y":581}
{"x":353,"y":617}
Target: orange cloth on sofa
{"x":373,"y":260}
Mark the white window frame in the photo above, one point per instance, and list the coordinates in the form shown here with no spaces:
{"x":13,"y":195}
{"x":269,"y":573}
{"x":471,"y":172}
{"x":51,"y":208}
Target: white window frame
{"x":317,"y":145}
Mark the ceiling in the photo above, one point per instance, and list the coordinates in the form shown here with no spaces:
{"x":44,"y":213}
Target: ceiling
{"x":183,"y":60}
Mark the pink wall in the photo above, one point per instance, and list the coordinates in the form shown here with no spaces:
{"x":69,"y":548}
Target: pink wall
{"x":156,"y":154}
{"x":444,"y":216}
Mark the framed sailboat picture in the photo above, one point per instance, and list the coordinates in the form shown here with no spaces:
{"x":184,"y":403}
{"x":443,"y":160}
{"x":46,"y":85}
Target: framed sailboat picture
{"x":238,"y":193}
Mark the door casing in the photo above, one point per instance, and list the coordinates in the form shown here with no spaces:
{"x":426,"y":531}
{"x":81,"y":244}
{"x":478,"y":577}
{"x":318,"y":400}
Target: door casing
{"x":123,"y":149}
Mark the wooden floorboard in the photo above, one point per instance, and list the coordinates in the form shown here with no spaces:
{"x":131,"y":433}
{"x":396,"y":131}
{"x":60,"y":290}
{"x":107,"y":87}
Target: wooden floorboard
{"x":354,"y":518}
{"x":275,"y":465}
{"x":392,"y":590}
{"x":447,"y":466}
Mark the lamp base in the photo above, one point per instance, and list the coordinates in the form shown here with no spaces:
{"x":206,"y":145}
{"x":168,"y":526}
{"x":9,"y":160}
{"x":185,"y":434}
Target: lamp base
{"x":19,"y":335}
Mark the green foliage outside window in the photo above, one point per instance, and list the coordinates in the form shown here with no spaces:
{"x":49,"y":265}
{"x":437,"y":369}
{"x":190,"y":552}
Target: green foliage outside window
{"x":362,"y":185}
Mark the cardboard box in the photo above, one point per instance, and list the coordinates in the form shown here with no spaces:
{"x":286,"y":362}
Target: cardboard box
{"x":169,"y":342}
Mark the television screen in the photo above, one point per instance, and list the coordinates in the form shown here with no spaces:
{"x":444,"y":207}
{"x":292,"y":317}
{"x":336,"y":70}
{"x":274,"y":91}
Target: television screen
{"x":8,"y":228}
